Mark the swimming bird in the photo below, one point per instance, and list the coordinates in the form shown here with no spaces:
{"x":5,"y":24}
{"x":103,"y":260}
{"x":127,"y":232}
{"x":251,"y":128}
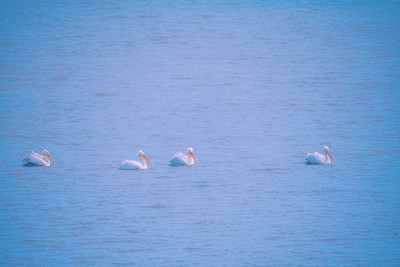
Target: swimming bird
{"x":182,"y":160}
{"x":35,"y":159}
{"x":135,"y":165}
{"x":319,"y":159}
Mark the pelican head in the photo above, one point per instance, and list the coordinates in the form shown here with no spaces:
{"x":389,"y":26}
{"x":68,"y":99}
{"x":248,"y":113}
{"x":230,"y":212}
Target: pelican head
{"x":189,"y":150}
{"x":47,"y":155}
{"x":143,"y":156}
{"x":326,"y":150}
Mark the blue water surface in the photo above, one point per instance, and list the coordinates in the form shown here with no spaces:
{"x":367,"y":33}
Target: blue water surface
{"x":252,"y":86}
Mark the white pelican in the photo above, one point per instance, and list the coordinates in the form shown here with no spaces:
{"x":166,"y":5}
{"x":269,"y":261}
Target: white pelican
{"x":182,"y":160}
{"x":35,"y":159}
{"x":135,"y":165}
{"x":319,"y":159}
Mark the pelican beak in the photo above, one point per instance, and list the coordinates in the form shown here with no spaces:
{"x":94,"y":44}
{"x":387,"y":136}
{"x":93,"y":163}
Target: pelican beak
{"x":330,"y":155}
{"x":48,"y":156}
{"x":146,"y":159}
{"x":190,"y":154}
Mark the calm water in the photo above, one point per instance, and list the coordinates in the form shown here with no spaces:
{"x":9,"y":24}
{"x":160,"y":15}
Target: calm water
{"x":251,"y":86}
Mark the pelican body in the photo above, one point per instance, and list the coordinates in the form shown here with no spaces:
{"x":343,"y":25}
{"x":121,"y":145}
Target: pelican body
{"x":182,"y":160}
{"x":35,"y":159}
{"x":319,"y":159}
{"x":135,"y":165}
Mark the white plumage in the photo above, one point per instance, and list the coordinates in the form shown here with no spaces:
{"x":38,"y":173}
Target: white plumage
{"x":180,"y":159}
{"x":135,"y":165}
{"x":35,"y":159}
{"x":319,"y":159}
